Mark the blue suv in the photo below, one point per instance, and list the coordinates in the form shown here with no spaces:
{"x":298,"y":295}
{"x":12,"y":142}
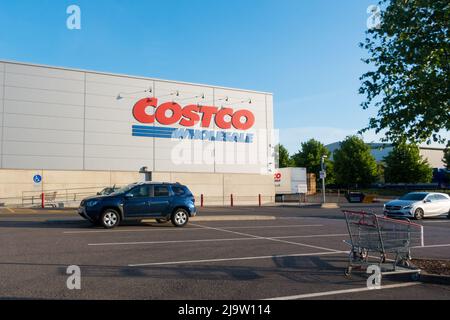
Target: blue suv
{"x":160,"y":201}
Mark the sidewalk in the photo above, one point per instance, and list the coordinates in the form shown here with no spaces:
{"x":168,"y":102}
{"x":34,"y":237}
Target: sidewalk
{"x":11,"y":211}
{"x":341,"y":205}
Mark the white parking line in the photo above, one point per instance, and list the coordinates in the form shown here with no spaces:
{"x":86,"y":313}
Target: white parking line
{"x":437,"y":221}
{"x":338,"y":292}
{"x":129,"y":230}
{"x":178,"y":229}
{"x":235,"y":259}
{"x":210,"y":240}
{"x":266,"y":238}
{"x":268,"y":227}
{"x":432,"y":246}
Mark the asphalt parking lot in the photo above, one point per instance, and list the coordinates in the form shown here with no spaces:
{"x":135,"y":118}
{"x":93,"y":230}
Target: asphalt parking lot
{"x":298,"y":255}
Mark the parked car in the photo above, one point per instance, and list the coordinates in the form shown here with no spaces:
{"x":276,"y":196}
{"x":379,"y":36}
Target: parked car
{"x":162,"y":201}
{"x":108,"y":190}
{"x":419,"y":205}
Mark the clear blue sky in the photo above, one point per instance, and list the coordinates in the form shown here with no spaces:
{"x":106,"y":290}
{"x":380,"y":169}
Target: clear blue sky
{"x":304,"y":51}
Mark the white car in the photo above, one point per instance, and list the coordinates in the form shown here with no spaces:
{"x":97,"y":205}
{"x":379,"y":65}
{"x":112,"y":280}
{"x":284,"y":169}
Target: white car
{"x":419,"y":205}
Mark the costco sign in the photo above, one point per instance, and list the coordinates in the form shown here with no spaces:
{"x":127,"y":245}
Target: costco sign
{"x":171,"y":113}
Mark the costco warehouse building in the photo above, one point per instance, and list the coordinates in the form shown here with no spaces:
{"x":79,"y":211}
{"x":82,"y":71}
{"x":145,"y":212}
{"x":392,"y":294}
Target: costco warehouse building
{"x":81,"y":131}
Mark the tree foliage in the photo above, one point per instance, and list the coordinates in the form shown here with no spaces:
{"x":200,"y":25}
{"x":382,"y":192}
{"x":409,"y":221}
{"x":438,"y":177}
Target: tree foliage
{"x":309,"y":157}
{"x":283,"y":157}
{"x":404,"y":164}
{"x":409,"y":85}
{"x":354,"y":164}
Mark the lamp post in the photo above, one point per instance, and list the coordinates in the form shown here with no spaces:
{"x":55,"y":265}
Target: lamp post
{"x":322,"y":176}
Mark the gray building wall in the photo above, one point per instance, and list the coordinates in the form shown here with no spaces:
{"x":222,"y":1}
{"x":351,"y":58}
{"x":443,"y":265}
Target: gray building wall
{"x":62,"y":119}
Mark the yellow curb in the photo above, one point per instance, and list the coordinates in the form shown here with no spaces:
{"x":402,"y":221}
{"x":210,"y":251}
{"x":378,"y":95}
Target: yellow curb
{"x":330,"y":206}
{"x":225,"y":218}
{"x":33,"y":211}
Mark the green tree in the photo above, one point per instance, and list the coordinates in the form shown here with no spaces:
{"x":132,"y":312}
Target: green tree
{"x":354,"y":164}
{"x":447,"y":157}
{"x":404,"y":164}
{"x":283,"y":158}
{"x":409,"y":83}
{"x":309,"y":157}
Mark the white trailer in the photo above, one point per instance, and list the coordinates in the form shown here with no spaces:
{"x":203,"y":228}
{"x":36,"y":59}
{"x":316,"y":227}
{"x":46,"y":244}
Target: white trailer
{"x":291,"y":181}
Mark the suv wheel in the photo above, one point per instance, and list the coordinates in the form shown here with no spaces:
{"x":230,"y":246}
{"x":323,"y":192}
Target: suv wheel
{"x":110,"y":219}
{"x":180,"y":218}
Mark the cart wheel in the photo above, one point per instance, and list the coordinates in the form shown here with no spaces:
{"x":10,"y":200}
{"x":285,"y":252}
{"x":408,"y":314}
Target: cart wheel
{"x":348,"y":272}
{"x":383,"y":258}
{"x":364,"y":254}
{"x":415,"y":276}
{"x":405,"y":263}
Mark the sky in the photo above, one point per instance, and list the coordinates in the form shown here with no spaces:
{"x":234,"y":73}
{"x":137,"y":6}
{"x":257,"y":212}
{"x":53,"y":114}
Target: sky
{"x":303,"y":51}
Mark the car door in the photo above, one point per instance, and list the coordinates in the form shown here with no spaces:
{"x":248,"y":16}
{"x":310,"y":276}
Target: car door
{"x":161,"y":200}
{"x":431,"y":206}
{"x":137,"y":202}
{"x":443,"y":204}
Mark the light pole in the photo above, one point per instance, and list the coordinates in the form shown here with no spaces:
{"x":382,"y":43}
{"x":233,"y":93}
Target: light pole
{"x":323,"y":175}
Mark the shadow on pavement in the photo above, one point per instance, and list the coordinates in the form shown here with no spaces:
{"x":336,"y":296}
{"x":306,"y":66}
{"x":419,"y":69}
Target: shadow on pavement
{"x":299,"y":269}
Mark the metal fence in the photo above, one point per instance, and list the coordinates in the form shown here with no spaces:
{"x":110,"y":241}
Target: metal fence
{"x":58,"y":196}
{"x":234,"y":200}
{"x":72,"y":198}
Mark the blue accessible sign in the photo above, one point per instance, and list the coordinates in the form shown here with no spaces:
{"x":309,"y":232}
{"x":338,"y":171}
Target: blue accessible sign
{"x":37,"y":178}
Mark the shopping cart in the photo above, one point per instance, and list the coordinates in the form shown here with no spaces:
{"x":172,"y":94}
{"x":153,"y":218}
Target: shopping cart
{"x":371,"y":234}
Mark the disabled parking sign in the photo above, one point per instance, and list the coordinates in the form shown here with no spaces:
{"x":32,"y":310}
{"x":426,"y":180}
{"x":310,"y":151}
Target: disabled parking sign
{"x":37,"y":179}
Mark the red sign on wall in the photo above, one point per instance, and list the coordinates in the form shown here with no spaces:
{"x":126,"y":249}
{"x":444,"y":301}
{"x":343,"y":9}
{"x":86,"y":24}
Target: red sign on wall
{"x":190,"y":115}
{"x":278,"y":177}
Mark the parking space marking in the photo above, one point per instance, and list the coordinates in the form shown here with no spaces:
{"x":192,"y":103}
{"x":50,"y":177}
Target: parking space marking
{"x":189,"y":228}
{"x":437,"y":221}
{"x":267,"y":238}
{"x":268,"y":227}
{"x":129,"y":230}
{"x":433,"y":246}
{"x":209,"y":240}
{"x":235,"y":259}
{"x":347,"y":291}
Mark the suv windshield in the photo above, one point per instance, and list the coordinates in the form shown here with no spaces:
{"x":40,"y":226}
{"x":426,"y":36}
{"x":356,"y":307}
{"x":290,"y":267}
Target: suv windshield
{"x":414,"y":196}
{"x":125,"y":189}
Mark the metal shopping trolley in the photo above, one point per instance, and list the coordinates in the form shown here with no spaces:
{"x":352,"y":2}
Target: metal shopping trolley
{"x":371,"y":234}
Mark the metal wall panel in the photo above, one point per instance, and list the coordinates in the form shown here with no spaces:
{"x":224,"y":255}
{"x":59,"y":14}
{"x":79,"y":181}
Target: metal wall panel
{"x":44,"y":71}
{"x":2,"y":76}
{"x":71,"y":120}
{"x":175,"y":155}
{"x":43,"y":118}
{"x":243,"y":157}
{"x":272,"y":135}
{"x":109,"y":143}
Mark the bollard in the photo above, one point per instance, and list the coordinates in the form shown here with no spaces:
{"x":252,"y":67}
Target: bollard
{"x":260,"y":200}
{"x":232,"y":200}
{"x":201,"y":200}
{"x":43,"y":200}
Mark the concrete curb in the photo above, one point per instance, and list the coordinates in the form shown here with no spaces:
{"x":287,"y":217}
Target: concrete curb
{"x":35,"y":211}
{"x":434,"y":278}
